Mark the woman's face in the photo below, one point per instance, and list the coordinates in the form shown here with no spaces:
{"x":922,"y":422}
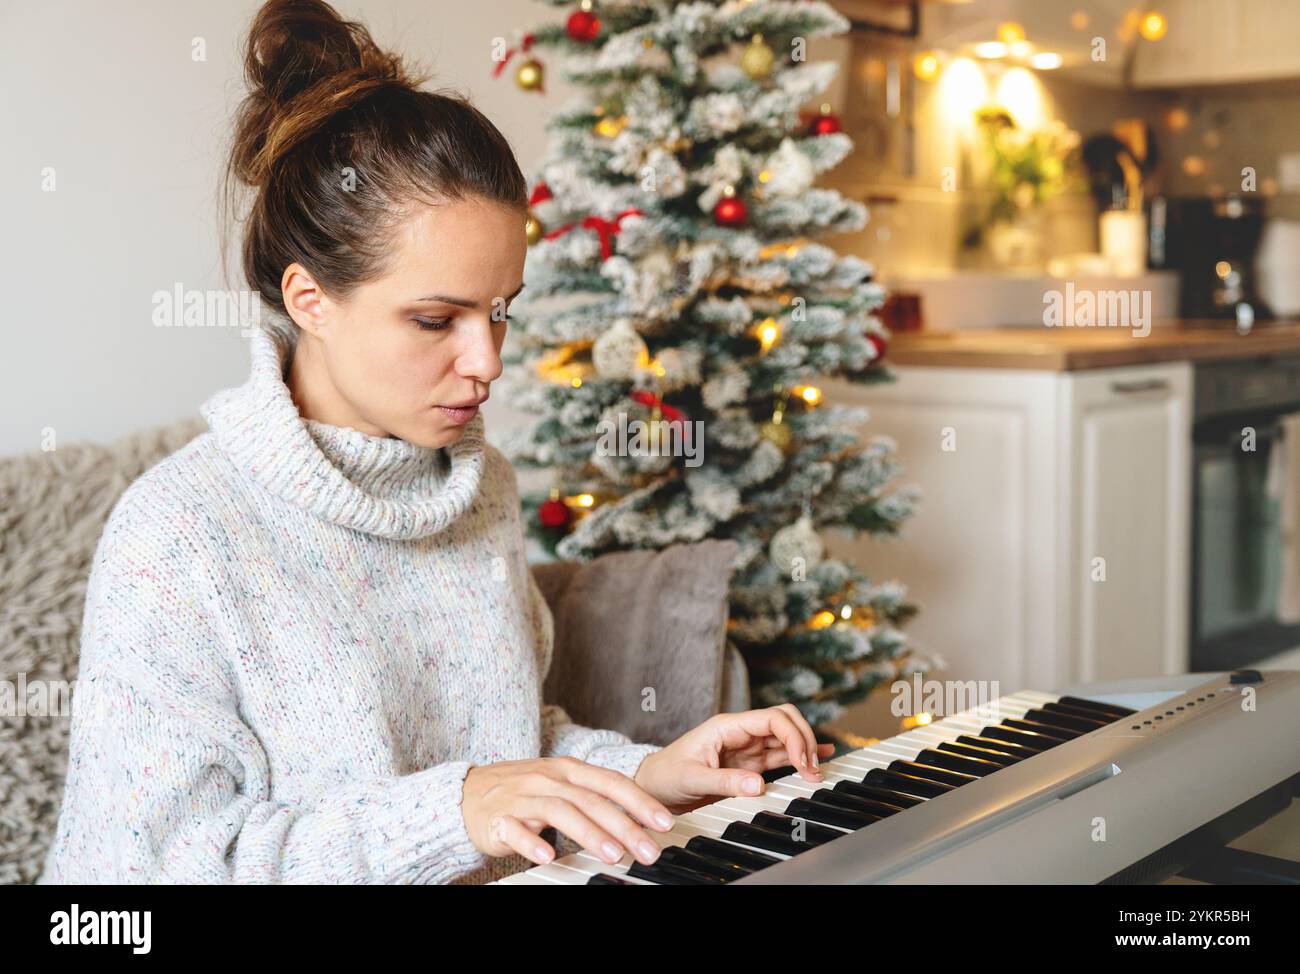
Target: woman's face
{"x":394,"y":356}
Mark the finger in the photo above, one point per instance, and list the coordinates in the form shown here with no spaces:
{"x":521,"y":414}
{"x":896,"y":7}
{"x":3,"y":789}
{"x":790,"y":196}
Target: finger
{"x":623,"y":790}
{"x":805,"y":729}
{"x":570,"y":820}
{"x":700,"y":779}
{"x":613,"y":820}
{"x":798,"y":748}
{"x":508,"y":832}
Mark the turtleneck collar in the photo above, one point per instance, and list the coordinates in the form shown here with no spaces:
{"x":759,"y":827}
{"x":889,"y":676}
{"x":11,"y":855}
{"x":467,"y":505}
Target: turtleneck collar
{"x":380,"y":485}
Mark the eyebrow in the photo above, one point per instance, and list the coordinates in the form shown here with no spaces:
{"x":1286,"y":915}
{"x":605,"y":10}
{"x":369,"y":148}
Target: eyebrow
{"x":463,"y":302}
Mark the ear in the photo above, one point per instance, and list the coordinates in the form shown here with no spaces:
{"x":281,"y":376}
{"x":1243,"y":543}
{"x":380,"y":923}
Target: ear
{"x":304,"y":300}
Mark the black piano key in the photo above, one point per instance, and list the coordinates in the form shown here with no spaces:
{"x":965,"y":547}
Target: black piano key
{"x":1114,"y":711}
{"x":749,"y":834}
{"x":1008,"y":748}
{"x":1001,"y":758}
{"x":979,"y":767}
{"x":906,"y":783}
{"x":931,"y":773}
{"x":1062,"y":708}
{"x":672,"y":874}
{"x":890,"y":795}
{"x":1031,"y":741}
{"x":724,"y":871}
{"x":605,"y":879}
{"x":707,"y":845}
{"x":865,"y":806}
{"x":1047,"y":730}
{"x":813,"y":833}
{"x":1072,"y":722}
{"x":829,"y":815}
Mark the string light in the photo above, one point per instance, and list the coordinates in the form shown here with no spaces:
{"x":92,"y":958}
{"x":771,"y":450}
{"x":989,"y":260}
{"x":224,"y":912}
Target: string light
{"x":768,"y":332}
{"x":1153,"y":25}
{"x":926,"y":66}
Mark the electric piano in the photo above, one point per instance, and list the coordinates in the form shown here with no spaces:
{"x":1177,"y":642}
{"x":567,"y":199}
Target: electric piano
{"x":1119,"y":783}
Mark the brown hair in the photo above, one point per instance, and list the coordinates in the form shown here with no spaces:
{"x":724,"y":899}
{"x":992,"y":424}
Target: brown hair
{"x":323,"y":99}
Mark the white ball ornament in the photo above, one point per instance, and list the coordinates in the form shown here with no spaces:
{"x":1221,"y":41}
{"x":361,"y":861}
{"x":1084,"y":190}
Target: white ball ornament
{"x":798,"y":540}
{"x":620,"y":351}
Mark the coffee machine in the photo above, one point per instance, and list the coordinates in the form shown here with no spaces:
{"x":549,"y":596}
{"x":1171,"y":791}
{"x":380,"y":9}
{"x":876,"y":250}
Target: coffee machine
{"x":1212,"y":243}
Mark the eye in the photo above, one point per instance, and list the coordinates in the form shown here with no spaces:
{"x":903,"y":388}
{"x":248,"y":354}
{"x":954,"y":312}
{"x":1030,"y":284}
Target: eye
{"x":432,"y":324}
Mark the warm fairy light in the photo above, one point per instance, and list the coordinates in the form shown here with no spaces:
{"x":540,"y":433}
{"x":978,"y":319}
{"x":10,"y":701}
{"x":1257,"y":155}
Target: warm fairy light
{"x":584,"y":500}
{"x":822,"y":619}
{"x":1045,"y":60}
{"x":575,"y":382}
{"x":991,"y":49}
{"x":1177,"y":119}
{"x":1223,"y":269}
{"x":764,"y":176}
{"x":768,"y":333}
{"x":1010,"y":32}
{"x":926,"y":66}
{"x":809,"y":394}
{"x":846,"y":612}
{"x":1079,"y":20}
{"x":920,"y":720}
{"x":610,"y":127}
{"x":1153,"y":25}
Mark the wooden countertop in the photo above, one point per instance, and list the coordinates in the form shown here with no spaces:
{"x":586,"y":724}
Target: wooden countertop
{"x":1069,"y":349}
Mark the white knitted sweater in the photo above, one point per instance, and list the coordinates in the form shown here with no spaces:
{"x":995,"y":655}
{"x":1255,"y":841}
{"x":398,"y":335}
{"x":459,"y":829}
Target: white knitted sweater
{"x":297,"y":638}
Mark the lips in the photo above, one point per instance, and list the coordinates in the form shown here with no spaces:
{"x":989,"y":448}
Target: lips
{"x":459,"y":414}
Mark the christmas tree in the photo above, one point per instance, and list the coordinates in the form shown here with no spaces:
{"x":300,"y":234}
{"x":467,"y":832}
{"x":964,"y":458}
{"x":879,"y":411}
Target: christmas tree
{"x":677,"y":315}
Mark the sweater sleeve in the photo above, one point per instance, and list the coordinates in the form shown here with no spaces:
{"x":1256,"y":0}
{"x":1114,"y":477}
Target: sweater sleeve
{"x":167,"y":783}
{"x":153,"y":798}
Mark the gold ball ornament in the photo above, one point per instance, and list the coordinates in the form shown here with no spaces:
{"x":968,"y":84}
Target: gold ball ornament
{"x":757,"y":59}
{"x":798,"y":540}
{"x":533,"y":229}
{"x":777,"y":433}
{"x":529,"y":75}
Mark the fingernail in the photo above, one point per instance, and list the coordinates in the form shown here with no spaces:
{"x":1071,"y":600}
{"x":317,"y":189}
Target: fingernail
{"x":751,"y":786}
{"x":816,"y":760}
{"x":542,"y":853}
{"x":649,"y":851}
{"x":663,"y":820}
{"x":611,"y":852}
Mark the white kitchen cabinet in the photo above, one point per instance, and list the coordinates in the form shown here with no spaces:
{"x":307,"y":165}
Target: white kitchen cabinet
{"x":1027,"y":477}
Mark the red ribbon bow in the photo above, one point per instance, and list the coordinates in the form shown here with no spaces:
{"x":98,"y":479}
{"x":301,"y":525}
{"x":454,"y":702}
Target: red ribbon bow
{"x":651,"y":401}
{"x":523,"y":48}
{"x":606,"y":229}
{"x":541,"y":193}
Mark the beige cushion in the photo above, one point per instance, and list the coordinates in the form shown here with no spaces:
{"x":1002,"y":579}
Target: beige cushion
{"x":640,"y":639}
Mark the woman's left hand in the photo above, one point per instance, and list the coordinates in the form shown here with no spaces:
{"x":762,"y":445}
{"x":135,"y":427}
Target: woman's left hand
{"x":727,"y":754}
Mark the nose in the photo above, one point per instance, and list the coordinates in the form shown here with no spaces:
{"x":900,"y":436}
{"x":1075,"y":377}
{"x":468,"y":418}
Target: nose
{"x":479,"y":355}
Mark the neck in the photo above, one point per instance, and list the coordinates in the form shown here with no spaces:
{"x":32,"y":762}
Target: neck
{"x":314,"y":392}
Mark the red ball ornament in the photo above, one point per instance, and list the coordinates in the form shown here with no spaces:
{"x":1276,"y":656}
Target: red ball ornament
{"x":824,"y":124}
{"x":583,"y":26}
{"x":879,"y":345}
{"x":553,"y":514}
{"x":730,"y":211}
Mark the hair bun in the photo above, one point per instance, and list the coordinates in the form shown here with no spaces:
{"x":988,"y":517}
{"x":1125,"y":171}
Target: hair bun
{"x":303,"y":63}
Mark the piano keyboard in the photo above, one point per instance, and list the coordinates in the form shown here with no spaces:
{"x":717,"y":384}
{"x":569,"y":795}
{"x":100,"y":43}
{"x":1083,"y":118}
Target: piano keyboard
{"x":737,"y":837}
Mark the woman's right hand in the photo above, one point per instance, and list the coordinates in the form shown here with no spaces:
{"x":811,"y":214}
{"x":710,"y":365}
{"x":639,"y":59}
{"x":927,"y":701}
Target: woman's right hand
{"x":506,"y":805}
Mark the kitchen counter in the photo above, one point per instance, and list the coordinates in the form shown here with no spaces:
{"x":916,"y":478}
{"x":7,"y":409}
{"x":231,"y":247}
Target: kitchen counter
{"x":1071,"y":349}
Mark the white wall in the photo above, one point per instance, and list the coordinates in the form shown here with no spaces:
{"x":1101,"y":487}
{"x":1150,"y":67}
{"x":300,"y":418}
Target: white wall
{"x":108,"y":96}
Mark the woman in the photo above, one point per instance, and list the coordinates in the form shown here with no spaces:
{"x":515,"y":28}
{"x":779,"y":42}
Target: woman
{"x":313,"y":650}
